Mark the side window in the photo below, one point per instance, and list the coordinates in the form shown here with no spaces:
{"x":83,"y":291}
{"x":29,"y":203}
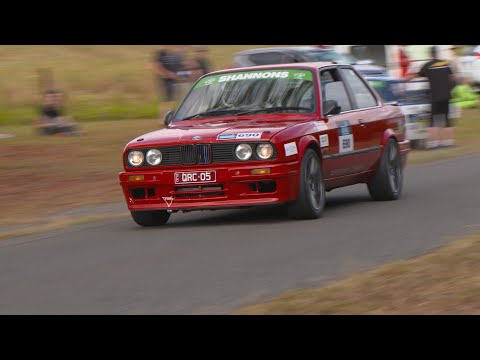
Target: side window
{"x":361,"y":93}
{"x":333,"y":88}
{"x":267,"y":58}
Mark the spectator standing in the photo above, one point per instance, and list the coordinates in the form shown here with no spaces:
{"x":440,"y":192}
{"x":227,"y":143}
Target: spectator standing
{"x":442,"y":82}
{"x":185,"y":75}
{"x":165,"y":65}
{"x":455,"y":63}
{"x":404,"y":61}
{"x":202,"y":64}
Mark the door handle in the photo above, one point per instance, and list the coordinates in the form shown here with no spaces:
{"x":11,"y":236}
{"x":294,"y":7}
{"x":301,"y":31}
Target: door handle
{"x":362,"y":122}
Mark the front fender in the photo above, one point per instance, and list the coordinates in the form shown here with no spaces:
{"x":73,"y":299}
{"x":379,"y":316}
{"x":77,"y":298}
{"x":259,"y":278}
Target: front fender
{"x":306,"y":142}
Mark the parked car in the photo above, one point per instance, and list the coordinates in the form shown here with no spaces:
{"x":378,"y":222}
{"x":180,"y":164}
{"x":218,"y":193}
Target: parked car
{"x":413,"y":99}
{"x":285,"y":55}
{"x":265,"y":135}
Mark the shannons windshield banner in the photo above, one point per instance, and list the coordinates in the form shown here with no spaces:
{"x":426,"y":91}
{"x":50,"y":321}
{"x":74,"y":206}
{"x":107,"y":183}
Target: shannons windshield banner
{"x":293,"y":74}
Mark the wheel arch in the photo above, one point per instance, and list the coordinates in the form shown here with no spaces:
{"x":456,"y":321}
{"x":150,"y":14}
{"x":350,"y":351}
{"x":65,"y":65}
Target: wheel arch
{"x":309,"y":142}
{"x":387,"y":135}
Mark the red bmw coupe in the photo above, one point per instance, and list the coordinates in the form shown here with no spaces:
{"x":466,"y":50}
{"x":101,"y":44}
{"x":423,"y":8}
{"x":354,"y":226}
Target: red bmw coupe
{"x":266,"y":135}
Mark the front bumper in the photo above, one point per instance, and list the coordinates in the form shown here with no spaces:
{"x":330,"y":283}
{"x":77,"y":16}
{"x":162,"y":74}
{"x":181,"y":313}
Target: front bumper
{"x":234,"y":187}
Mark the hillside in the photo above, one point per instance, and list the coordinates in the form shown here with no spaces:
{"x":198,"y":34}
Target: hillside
{"x":101,"y":81}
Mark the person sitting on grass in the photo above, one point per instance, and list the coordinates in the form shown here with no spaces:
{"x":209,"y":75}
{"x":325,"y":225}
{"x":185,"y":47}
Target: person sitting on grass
{"x":52,"y":120}
{"x":463,"y":95}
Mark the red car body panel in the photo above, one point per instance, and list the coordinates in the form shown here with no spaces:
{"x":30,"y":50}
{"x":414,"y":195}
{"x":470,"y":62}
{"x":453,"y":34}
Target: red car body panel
{"x":371,"y":130}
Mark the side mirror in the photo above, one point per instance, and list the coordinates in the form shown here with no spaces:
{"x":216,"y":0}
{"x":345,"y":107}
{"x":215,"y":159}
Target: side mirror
{"x":330,"y":107}
{"x":167,"y":120}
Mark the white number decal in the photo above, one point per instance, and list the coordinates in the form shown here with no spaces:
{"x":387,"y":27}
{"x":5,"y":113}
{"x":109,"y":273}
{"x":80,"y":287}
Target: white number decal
{"x":345,"y":143}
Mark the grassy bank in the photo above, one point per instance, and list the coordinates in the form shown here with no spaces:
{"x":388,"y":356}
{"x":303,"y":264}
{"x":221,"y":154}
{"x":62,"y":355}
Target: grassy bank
{"x":446,"y":281}
{"x":47,"y":174}
{"x":55,"y":173}
{"x":102,"y":81}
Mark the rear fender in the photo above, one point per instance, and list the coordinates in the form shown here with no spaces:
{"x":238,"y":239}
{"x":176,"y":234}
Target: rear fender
{"x":403,"y":145}
{"x":389,"y":133}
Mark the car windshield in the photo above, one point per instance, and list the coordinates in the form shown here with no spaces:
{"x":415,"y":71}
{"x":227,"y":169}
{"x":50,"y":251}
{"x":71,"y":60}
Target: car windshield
{"x":331,"y":55}
{"x":249,"y":92}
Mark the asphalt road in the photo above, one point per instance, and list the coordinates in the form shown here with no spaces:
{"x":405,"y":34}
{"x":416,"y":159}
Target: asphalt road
{"x":213,"y":262}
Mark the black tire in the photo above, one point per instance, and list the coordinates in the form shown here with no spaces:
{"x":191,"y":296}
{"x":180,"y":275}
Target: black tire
{"x":387,"y":182}
{"x":311,"y":190}
{"x":150,"y":218}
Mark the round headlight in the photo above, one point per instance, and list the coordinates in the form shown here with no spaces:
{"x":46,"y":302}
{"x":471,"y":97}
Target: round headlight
{"x":264,"y":151}
{"x":243,"y":152}
{"x":154,"y":157}
{"x":135,"y":158}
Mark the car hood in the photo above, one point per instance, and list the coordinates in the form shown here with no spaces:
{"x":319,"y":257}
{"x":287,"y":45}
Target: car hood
{"x":220,"y":130}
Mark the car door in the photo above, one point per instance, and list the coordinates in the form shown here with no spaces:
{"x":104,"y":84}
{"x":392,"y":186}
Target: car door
{"x":342,"y":149}
{"x":368,"y":113}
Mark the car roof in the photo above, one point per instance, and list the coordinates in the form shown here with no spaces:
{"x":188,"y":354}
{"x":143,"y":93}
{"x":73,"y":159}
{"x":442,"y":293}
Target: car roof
{"x":303,"y":65}
{"x":285,"y":48}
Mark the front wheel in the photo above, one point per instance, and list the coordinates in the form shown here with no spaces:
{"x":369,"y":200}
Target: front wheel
{"x":150,"y":218}
{"x":387,"y":182}
{"x":311,"y":190}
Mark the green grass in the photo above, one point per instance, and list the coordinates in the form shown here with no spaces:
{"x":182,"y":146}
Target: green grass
{"x":85,"y":112}
{"x":102,"y":81}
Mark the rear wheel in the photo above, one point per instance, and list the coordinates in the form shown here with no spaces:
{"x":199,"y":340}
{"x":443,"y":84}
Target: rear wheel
{"x":311,"y":191}
{"x":387,"y":182}
{"x":150,"y":218}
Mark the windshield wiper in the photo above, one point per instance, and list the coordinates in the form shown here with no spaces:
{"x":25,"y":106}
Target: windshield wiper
{"x":212,"y":112}
{"x":275,"y":109}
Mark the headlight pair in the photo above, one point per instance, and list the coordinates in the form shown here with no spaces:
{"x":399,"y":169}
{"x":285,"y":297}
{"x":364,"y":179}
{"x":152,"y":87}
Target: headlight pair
{"x":244,"y":152}
{"x":153,"y":157}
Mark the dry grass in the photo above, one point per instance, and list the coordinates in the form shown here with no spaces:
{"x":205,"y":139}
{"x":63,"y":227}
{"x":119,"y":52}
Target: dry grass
{"x":44,"y":174}
{"x":467,"y":137}
{"x":57,"y":223}
{"x":446,"y":281}
{"x":41,"y":175}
